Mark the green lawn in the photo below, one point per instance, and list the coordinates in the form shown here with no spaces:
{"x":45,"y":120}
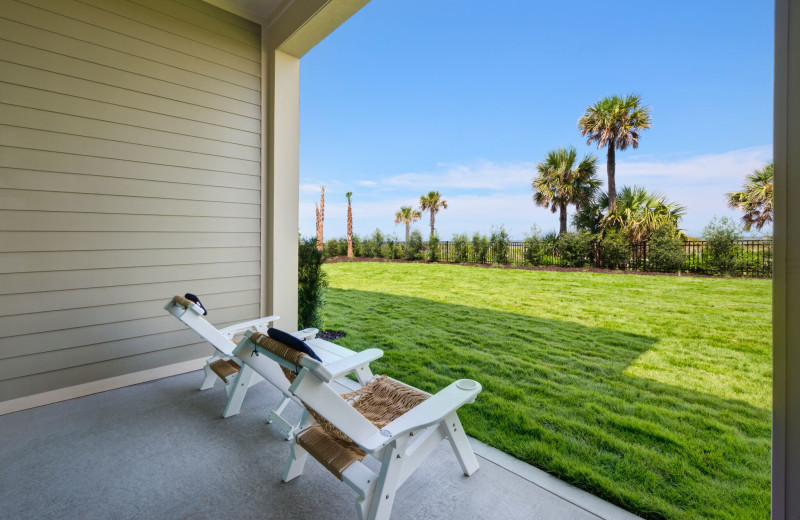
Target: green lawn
{"x":652,"y":392}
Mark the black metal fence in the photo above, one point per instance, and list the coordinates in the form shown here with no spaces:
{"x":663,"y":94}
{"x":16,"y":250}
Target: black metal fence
{"x":752,"y":258}
{"x":746,"y":258}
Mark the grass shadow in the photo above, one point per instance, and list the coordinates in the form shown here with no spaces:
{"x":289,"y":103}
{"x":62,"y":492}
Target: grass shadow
{"x":555,"y":396}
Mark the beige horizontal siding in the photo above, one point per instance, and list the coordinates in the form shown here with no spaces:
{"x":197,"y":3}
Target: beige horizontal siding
{"x":102,"y":342}
{"x":25,"y":241}
{"x":32,"y":262}
{"x":135,"y":47}
{"x":34,"y":302}
{"x":130,"y":171}
{"x":36,"y":98}
{"x":24,"y":324}
{"x":224,"y":16}
{"x":47,"y":120}
{"x":58,"y":63}
{"x":111,"y":61}
{"x":26,"y":283}
{"x":65,"y":162}
{"x":122,"y":204}
{"x":111,"y":16}
{"x":110,"y":148}
{"x":38,"y":383}
{"x":17,"y":179}
{"x":20,"y":74}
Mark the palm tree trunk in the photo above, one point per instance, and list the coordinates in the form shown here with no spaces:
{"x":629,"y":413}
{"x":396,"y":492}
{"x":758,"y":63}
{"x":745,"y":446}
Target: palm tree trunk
{"x":321,"y":220}
{"x":316,"y":212}
{"x":433,"y":219}
{"x":349,"y":230}
{"x":408,"y":226}
{"x":611,"y":167}
{"x":562,"y":218}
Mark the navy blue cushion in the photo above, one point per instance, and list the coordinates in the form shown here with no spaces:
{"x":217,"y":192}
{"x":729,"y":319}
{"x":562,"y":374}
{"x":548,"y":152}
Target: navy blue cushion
{"x":290,"y":341}
{"x":192,"y":298}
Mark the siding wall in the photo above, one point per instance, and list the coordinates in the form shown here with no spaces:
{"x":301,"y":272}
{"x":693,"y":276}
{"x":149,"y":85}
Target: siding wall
{"x":129,"y":172}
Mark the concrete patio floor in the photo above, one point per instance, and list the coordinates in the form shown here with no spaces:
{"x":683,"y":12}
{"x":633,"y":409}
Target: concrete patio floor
{"x":162,"y":450}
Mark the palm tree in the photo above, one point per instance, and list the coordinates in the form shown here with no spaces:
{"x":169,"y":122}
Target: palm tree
{"x":349,"y":225}
{"x":560,"y":183}
{"x":639,"y":213}
{"x":432,"y":203}
{"x":756,"y":199}
{"x":320,"y":211}
{"x":615,"y":122}
{"x":407,"y":215}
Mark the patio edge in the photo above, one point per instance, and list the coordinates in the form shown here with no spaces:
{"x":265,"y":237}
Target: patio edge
{"x":567,"y":492}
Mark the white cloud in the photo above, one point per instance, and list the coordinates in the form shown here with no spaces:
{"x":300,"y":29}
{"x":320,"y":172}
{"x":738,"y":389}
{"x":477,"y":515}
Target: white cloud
{"x":732,"y":165}
{"x":484,"y":175}
{"x":310,"y":188}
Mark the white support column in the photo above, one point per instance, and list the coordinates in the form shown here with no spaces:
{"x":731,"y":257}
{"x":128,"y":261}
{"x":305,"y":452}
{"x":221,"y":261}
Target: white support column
{"x":283,"y":192}
{"x":786,"y":280}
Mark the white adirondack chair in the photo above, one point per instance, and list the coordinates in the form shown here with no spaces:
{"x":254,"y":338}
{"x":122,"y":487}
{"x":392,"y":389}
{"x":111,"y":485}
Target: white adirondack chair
{"x":238,"y":376}
{"x":404,"y":426}
{"x":222,"y":364}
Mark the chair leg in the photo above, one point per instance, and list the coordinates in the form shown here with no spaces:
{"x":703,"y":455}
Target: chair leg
{"x":362,"y":508}
{"x":297,"y":459}
{"x":210,"y":377}
{"x":240,"y":386}
{"x":460,"y":444}
{"x":283,"y":425}
{"x":382,"y":499}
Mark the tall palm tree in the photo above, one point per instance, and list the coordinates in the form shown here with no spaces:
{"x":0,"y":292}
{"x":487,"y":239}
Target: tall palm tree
{"x":756,"y":199}
{"x":349,"y":225}
{"x":615,"y":122}
{"x":560,"y":182}
{"x":320,"y":210}
{"x":432,"y":203}
{"x":407,"y":215}
{"x":639,"y":213}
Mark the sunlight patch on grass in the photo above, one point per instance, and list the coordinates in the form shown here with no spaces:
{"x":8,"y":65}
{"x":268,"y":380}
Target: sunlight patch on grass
{"x":722,"y":372}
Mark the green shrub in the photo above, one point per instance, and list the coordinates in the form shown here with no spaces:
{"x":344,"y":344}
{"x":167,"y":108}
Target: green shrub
{"x":480,"y":248}
{"x":311,"y":284}
{"x":461,"y":248}
{"x":575,"y":248}
{"x":332,"y":248}
{"x":722,"y":249}
{"x":534,"y":247}
{"x":372,"y":246}
{"x":665,"y":250}
{"x":499,"y":242}
{"x":391,"y":248}
{"x":433,"y":248}
{"x":358,"y":246}
{"x":414,"y":246}
{"x":378,"y":239}
{"x":615,"y":249}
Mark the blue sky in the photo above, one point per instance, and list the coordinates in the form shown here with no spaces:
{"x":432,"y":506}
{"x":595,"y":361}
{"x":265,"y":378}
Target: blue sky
{"x":466,"y":96}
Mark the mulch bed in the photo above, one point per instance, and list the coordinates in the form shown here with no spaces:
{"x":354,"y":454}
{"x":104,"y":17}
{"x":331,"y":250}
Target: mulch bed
{"x":330,"y":335}
{"x":338,"y":259}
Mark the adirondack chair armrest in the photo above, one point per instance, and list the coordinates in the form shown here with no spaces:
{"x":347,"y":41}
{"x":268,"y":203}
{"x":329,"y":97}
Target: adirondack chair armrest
{"x":230,"y":332}
{"x":430,"y":411}
{"x":329,"y":372}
